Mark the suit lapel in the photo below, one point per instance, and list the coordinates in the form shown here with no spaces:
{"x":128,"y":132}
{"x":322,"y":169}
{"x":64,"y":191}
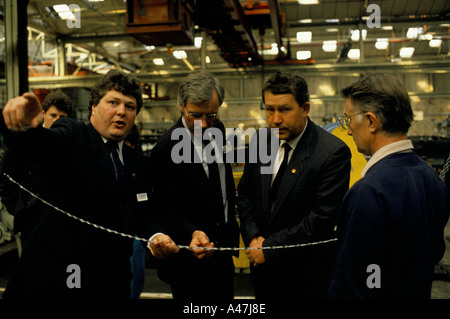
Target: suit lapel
{"x":294,"y":168}
{"x":103,"y":164}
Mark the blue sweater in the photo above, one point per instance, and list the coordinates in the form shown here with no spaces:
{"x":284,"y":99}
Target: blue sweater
{"x":390,"y":230}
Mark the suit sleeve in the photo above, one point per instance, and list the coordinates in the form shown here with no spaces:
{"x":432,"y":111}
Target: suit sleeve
{"x":166,"y":186}
{"x":320,"y":222}
{"x":245,"y":200}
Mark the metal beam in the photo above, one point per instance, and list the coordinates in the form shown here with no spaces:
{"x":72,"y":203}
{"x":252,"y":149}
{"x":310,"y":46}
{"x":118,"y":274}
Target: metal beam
{"x":16,"y":47}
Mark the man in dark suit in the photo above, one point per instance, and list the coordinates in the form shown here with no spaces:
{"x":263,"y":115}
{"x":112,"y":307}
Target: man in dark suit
{"x":197,"y":199}
{"x":107,"y":185}
{"x":303,"y":209}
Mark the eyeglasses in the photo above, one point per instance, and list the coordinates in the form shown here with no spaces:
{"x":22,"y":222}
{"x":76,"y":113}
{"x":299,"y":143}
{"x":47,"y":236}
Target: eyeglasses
{"x":201,"y":116}
{"x":344,"y":120}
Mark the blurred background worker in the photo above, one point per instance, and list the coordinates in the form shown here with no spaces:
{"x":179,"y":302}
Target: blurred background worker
{"x":19,"y":203}
{"x":391,"y":223}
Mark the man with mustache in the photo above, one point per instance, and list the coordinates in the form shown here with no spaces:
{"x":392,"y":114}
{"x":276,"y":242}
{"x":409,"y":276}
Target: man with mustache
{"x":297,"y":204}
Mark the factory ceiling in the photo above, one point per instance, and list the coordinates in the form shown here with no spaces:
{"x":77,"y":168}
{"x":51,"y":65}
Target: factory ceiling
{"x":161,"y":36}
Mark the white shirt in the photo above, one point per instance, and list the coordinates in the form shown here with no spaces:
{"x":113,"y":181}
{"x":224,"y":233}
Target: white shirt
{"x":221,"y":166}
{"x":280,"y":155}
{"x":396,"y":147}
{"x":120,"y":147}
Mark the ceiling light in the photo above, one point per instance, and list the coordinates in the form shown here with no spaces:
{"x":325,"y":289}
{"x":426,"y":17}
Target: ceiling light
{"x":355,"y":34}
{"x":413,"y":33}
{"x":158,"y":61}
{"x":61,"y":8}
{"x":304,"y":37}
{"x":64,"y":12}
{"x":303,"y":55}
{"x":180,"y":54}
{"x":332,"y":20}
{"x":329,"y":46}
{"x":308,"y":2}
{"x":305,"y":21}
{"x":406,"y":52}
{"x":353,"y":54}
{"x":387,"y":27}
{"x":435,"y":43}
{"x":382,"y":44}
{"x":207,"y":59}
{"x":198,"y":42}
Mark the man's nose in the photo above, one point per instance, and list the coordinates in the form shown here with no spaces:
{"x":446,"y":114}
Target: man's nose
{"x":277,"y":117}
{"x":120,"y":109}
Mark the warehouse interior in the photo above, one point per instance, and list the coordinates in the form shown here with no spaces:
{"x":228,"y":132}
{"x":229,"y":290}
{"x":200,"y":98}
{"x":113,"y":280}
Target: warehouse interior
{"x":68,"y":45}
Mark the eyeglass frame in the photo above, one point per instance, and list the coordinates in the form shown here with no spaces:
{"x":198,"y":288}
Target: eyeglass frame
{"x":201,"y":116}
{"x":344,"y":120}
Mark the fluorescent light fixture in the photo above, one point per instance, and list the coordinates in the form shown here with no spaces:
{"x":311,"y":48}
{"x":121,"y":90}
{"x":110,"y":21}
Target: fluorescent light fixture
{"x":332,"y":20}
{"x":64,"y":12}
{"x":406,"y":52}
{"x":158,"y":61}
{"x":413,"y":33}
{"x":387,"y":27}
{"x":304,"y":37}
{"x":198,"y":42}
{"x":329,"y":46}
{"x":435,"y":43}
{"x":303,"y":55}
{"x":180,"y":54}
{"x":382,"y":44}
{"x":427,"y":36}
{"x":353,"y":54}
{"x":308,"y":2}
{"x":355,"y":34}
{"x":305,"y":21}
{"x":207,"y":59}
{"x":61,"y":8}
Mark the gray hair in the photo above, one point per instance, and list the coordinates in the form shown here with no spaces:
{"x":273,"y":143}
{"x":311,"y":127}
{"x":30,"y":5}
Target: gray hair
{"x":198,"y":87}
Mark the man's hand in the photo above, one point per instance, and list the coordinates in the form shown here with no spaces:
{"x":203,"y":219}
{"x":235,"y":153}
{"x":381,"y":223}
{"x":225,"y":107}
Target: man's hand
{"x":256,"y":256}
{"x":162,"y":246}
{"x":199,"y":239}
{"x":23,"y":111}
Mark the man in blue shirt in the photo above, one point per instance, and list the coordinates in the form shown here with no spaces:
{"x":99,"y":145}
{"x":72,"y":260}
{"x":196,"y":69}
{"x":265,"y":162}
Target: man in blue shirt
{"x":391,"y":222}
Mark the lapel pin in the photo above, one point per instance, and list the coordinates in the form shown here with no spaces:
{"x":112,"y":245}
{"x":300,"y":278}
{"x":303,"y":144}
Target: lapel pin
{"x":293,"y":171}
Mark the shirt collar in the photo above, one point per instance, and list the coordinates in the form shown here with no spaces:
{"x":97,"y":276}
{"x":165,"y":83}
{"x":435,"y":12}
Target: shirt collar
{"x":119,"y":144}
{"x":396,"y":147}
{"x":293,"y":143}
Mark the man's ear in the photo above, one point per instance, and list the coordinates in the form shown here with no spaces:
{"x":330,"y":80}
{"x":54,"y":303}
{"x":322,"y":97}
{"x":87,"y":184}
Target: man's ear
{"x":374,"y":122}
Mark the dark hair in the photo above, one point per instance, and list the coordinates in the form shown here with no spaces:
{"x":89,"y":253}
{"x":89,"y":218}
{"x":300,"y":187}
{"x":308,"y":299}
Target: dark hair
{"x":60,"y":100}
{"x":124,"y":83}
{"x":286,"y":82}
{"x":383,"y":95}
{"x":198,"y":87}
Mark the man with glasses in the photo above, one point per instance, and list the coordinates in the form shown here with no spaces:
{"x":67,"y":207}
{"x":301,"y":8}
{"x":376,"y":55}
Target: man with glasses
{"x":197,"y":198}
{"x":303,"y":210}
{"x":390,"y":225}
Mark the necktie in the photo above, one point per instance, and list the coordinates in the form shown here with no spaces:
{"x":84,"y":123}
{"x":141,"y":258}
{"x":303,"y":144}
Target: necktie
{"x":113,"y":149}
{"x":276,"y":183}
{"x":214,"y":178}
